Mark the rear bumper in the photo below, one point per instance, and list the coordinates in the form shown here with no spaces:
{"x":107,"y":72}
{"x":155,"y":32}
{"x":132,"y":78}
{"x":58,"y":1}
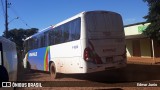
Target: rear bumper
{"x":95,"y":68}
{"x":88,"y":67}
{"x":104,"y":67}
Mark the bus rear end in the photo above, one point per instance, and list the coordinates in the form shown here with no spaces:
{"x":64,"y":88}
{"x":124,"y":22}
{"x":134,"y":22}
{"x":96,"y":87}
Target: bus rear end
{"x":105,"y":41}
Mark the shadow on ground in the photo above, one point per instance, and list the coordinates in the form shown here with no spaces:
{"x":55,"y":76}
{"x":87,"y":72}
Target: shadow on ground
{"x":131,"y":73}
{"x":33,"y":75}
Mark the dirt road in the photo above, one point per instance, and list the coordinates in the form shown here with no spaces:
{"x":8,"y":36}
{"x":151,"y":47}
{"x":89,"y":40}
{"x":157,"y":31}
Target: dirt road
{"x":120,"y":79}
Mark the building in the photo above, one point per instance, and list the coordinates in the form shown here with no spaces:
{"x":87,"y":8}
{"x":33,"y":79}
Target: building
{"x":137,"y":44}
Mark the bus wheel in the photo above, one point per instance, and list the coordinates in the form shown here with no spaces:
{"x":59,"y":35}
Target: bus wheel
{"x":53,"y":71}
{"x":28,"y":69}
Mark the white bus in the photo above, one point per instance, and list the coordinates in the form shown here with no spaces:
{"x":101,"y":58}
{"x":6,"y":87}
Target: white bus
{"x":88,"y":42}
{"x":8,"y":60}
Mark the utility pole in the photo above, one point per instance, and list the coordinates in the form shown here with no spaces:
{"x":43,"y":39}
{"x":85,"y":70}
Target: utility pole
{"x":6,"y":18}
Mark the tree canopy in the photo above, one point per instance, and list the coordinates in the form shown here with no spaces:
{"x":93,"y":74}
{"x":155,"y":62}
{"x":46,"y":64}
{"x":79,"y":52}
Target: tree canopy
{"x":153,"y":17}
{"x":19,"y":35}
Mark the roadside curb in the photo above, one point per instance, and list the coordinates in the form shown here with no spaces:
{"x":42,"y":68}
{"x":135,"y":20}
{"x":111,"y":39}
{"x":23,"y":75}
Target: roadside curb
{"x":138,"y":62}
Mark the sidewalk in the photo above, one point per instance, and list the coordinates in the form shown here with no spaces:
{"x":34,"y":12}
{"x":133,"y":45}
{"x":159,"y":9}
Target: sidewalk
{"x":141,"y":60}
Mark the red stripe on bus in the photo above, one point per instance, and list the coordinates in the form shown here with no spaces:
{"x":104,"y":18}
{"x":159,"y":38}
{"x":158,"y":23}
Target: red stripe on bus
{"x":47,"y":60}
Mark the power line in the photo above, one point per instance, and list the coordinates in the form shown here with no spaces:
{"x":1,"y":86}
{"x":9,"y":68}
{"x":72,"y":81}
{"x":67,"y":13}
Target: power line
{"x":24,"y":22}
{"x":19,"y":18}
{"x":14,"y":11}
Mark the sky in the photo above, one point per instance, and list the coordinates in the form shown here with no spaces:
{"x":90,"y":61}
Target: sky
{"x":43,"y":13}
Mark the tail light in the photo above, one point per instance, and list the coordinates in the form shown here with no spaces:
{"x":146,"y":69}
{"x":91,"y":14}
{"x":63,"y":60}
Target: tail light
{"x":86,"y":54}
{"x":91,"y":56}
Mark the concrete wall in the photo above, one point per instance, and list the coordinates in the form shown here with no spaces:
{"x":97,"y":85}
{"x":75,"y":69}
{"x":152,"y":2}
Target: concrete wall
{"x":135,"y":30}
{"x":129,"y":48}
{"x":145,"y":45}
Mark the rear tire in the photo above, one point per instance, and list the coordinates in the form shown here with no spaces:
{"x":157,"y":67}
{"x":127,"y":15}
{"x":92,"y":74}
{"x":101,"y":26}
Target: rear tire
{"x":52,"y":71}
{"x":28,"y":69}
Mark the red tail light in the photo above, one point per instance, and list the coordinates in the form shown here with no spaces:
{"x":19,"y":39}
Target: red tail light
{"x":91,"y":56}
{"x":86,"y":54}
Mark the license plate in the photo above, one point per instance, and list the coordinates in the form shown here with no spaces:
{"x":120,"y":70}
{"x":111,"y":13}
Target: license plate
{"x":109,"y":59}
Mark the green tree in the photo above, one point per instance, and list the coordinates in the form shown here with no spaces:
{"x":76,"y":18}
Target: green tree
{"x":19,"y":35}
{"x":153,"y":30}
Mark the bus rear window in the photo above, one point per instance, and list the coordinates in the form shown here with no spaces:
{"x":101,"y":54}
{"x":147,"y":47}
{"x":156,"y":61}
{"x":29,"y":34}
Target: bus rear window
{"x":103,"y":22}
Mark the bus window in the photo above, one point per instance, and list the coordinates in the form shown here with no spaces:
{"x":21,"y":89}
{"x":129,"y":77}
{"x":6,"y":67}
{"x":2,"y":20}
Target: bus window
{"x":58,"y":35}
{"x":51,"y":37}
{"x":66,"y":33}
{"x":46,"y":35}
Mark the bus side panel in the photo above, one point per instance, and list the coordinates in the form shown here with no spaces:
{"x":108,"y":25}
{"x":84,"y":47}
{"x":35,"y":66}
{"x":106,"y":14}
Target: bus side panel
{"x":39,"y":58}
{"x":67,"y":56}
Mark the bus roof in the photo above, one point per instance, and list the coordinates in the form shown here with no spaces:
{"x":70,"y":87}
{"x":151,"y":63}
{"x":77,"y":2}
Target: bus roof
{"x":63,"y":22}
{"x":52,"y":26}
{"x":40,"y":32}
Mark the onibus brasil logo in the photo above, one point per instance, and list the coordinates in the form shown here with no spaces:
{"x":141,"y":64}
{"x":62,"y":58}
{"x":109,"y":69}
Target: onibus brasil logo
{"x":17,"y":84}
